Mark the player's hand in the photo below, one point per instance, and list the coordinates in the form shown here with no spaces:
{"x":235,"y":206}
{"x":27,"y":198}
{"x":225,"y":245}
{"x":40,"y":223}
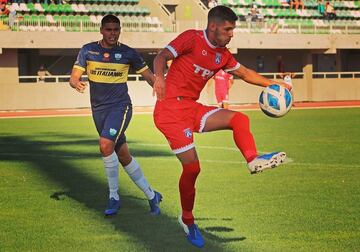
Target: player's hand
{"x":159,"y":88}
{"x":285,"y":85}
{"x":80,"y":86}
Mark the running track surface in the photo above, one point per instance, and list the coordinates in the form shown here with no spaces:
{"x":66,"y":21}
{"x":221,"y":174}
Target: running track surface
{"x":87,"y":111}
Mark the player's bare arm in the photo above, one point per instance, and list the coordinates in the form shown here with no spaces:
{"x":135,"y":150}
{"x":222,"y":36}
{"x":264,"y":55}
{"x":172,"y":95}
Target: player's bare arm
{"x":252,"y":77}
{"x":75,"y":81}
{"x":159,"y":69}
{"x":148,"y":76}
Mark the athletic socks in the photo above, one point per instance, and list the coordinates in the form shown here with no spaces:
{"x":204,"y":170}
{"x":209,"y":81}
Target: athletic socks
{"x":242,"y":136}
{"x":111,"y":164}
{"x":187,"y":190}
{"x":135,"y":173}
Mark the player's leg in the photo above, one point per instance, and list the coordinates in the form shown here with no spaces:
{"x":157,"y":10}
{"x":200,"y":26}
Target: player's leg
{"x":190,"y":172}
{"x":226,"y":101}
{"x":111,"y":125}
{"x":111,"y":165}
{"x":239,"y":123}
{"x":219,"y":97}
{"x":191,"y":169}
{"x":173,"y":119}
{"x":132,"y":168}
{"x":110,"y":161}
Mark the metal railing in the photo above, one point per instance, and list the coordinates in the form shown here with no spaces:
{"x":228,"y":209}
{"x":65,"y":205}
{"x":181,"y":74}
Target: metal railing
{"x":80,"y":26}
{"x":335,"y":75}
{"x":34,"y":79}
{"x":144,"y":26}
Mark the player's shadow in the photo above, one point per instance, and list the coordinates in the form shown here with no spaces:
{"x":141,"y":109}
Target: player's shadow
{"x":157,"y":233}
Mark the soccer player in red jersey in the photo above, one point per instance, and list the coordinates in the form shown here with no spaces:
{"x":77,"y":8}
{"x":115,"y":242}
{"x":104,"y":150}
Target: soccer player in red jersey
{"x":196,"y":56}
{"x":223,"y":82}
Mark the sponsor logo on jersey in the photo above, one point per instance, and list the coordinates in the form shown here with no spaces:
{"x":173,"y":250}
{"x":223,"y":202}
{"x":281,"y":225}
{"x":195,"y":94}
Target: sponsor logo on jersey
{"x":205,"y":73}
{"x":106,"y":72}
{"x":118,"y":56}
{"x":106,"y":56}
{"x":217,"y":58}
{"x":188,"y":133}
{"x":112,"y":132}
{"x":94,"y":53}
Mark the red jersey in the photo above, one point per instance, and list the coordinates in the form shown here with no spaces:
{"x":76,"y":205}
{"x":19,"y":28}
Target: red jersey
{"x":196,"y":61}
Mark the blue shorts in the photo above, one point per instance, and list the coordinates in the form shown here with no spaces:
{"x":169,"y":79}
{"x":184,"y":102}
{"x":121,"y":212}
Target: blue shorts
{"x":112,"y":123}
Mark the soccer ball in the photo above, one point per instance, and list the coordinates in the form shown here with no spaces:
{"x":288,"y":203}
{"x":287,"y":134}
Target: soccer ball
{"x":275,"y":100}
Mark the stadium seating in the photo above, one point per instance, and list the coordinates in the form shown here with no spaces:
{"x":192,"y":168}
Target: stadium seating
{"x":277,"y":13}
{"x":277,"y":17}
{"x":84,"y":15}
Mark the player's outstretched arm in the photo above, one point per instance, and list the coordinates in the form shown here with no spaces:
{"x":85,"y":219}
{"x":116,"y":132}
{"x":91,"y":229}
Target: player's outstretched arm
{"x":159,"y":70}
{"x":252,"y":77}
{"x":148,"y":76}
{"x":75,"y":80}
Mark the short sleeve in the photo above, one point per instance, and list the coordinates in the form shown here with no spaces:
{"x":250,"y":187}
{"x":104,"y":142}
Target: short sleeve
{"x":183,"y":43}
{"x":137,"y":62}
{"x":231,"y":63}
{"x":80,"y":62}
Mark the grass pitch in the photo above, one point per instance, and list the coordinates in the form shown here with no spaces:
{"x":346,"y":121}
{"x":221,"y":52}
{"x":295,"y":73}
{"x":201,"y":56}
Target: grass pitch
{"x":53,"y":188}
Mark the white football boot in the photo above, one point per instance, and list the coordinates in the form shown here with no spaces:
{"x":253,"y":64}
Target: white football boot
{"x":266,"y":161}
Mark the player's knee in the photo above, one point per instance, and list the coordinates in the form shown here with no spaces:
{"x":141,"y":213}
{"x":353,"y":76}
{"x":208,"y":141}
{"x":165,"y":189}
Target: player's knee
{"x":106,"y":147}
{"x":240,"y":120}
{"x":192,"y":168}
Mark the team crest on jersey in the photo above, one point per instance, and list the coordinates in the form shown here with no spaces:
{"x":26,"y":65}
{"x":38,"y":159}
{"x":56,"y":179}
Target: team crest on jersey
{"x":217,"y":58}
{"x":118,"y":56}
{"x":112,"y":132}
{"x":188,"y":133}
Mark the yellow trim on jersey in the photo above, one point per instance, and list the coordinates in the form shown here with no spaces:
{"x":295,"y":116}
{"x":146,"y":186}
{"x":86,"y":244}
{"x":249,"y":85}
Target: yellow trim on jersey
{"x":79,"y":67}
{"x":142,"y":69}
{"x":107,"y":73}
{"x":122,"y":124}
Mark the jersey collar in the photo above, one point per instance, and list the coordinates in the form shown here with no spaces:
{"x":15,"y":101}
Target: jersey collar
{"x":207,"y":40}
{"x":99,"y":43}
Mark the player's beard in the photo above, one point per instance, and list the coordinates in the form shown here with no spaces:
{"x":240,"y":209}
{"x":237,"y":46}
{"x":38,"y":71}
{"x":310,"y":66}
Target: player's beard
{"x":221,"y":40}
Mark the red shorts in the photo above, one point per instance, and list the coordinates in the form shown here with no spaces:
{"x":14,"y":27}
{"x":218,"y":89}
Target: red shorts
{"x":178,"y":118}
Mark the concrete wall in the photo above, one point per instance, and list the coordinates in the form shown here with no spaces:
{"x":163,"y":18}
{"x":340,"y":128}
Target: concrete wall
{"x":59,"y":95}
{"x":45,"y":95}
{"x":9,"y":67}
{"x":17,"y":96}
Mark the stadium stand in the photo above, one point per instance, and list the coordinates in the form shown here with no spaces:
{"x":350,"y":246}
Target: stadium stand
{"x":84,"y":16}
{"x":279,"y":18}
{"x":276,"y":16}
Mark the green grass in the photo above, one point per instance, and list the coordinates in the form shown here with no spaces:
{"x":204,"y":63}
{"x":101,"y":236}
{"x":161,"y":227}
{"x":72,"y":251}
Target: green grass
{"x":53,"y":187}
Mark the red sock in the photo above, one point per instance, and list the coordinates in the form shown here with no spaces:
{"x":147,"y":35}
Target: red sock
{"x":187,"y":190}
{"x":243,"y":138}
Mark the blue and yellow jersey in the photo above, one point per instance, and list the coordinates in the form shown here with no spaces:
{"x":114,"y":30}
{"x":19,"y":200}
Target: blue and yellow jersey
{"x":107,"y":70}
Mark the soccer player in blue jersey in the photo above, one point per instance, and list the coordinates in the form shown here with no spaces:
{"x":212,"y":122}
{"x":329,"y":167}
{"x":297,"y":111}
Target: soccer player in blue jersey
{"x":107,"y":64}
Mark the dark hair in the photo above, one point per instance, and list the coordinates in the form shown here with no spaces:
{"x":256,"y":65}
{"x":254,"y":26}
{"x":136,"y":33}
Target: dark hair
{"x":222,"y":13}
{"x":109,"y":19}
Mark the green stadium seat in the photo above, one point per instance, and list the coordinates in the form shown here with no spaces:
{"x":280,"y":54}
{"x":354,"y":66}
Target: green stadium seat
{"x":31,"y":7}
{"x":67,"y":8}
